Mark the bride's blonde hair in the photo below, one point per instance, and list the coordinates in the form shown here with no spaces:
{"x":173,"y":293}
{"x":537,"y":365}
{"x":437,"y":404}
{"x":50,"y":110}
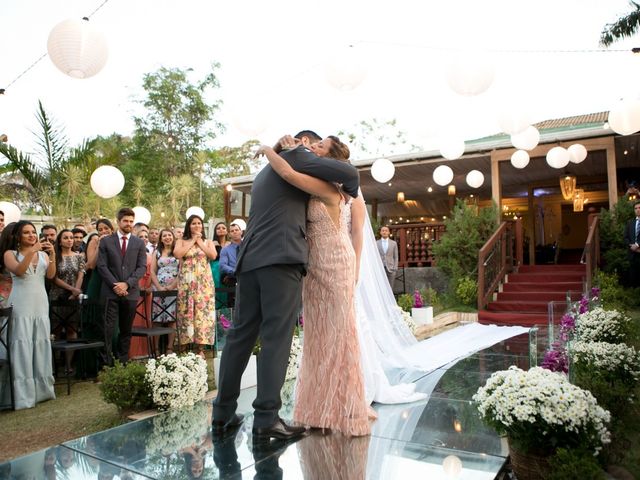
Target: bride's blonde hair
{"x":338,"y":150}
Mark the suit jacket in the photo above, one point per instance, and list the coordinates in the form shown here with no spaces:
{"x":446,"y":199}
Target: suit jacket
{"x":630,"y":234}
{"x":276,"y":232}
{"x":389,"y":259}
{"x":113,"y":268}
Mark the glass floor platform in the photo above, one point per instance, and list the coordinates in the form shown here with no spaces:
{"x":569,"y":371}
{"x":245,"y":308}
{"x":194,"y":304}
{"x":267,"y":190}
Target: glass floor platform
{"x":438,"y":438}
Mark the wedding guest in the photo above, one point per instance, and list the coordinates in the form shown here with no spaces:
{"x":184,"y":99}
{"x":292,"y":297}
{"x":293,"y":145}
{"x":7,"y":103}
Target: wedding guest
{"x":220,"y":241}
{"x":139,"y":345}
{"x":78,"y":240}
{"x":178,"y":232}
{"x":229,"y":256}
{"x":6,"y":239}
{"x":29,"y":261}
{"x":50,"y":232}
{"x":388,"y":250}
{"x":121,"y":264}
{"x":164,"y":277}
{"x":67,"y":286}
{"x":196,"y":305}
{"x":632,"y":239}
{"x":154,"y":236}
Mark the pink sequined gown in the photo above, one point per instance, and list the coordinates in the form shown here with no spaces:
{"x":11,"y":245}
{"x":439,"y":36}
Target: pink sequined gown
{"x":330,"y":390}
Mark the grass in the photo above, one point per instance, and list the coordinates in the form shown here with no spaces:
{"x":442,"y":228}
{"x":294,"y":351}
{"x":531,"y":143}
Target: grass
{"x":56,"y":421}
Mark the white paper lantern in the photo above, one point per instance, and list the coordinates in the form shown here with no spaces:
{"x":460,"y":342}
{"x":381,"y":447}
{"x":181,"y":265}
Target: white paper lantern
{"x":451,"y":148}
{"x":577,"y":153}
{"x":250,"y":116}
{"x":520,"y":159}
{"x":77,"y":49}
{"x":558,"y":157}
{"x":142,"y":215}
{"x":382,"y":170}
{"x":470,"y":73}
{"x":443,"y":175}
{"x":107,"y":181}
{"x":240,"y":222}
{"x":513,"y":116}
{"x":475,"y":178}
{"x":195,"y":211}
{"x":527,"y":139}
{"x":346,"y":70}
{"x":624,"y":117}
{"x":452,"y":466}
{"x":11,"y":212}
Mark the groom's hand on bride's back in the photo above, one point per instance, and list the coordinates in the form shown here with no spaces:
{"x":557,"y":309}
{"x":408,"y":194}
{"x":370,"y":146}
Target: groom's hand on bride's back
{"x":286,"y":142}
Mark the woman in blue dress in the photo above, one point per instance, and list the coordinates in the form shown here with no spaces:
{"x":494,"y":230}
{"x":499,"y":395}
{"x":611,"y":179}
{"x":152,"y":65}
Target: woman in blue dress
{"x":29,"y":260}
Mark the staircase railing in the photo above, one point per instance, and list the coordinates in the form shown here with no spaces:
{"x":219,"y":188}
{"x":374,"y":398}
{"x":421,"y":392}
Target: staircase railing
{"x":591,"y":253}
{"x":498,"y":256}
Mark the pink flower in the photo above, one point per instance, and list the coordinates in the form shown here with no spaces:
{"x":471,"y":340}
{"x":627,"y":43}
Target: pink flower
{"x":417,"y":299}
{"x":224,"y":322}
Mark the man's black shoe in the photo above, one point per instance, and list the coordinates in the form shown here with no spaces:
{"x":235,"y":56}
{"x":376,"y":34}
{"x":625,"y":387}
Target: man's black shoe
{"x":218,"y":427}
{"x":279,"y":430}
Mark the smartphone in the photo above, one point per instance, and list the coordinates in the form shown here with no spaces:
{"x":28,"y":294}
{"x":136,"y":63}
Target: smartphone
{"x":43,"y":237}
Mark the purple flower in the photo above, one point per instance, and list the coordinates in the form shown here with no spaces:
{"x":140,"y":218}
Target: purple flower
{"x":567,"y":326}
{"x":417,"y":299}
{"x":555,"y":359}
{"x":584,"y":304}
{"x":224,"y":322}
{"x":595,"y":292}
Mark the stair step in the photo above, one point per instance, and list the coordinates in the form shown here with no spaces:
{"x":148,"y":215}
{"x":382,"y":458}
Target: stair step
{"x":545,"y":277}
{"x":533,"y":296}
{"x":522,"y":307}
{"x":509,"y":318}
{"x":542,"y":287}
{"x":551,"y":268}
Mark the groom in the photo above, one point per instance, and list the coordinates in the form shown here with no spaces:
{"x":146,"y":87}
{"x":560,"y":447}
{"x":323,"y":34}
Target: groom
{"x":271,"y":263}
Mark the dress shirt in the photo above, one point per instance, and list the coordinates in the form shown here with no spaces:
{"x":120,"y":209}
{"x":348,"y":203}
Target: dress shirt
{"x":385,"y":244}
{"x":228,"y":259}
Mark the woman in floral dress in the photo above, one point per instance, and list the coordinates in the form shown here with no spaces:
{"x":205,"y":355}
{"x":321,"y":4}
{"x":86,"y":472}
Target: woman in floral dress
{"x":164,"y":277}
{"x":196,"y":292}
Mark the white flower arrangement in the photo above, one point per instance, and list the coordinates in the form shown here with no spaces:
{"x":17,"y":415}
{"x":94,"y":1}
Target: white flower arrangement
{"x":177,"y":381}
{"x":294,"y":358}
{"x":406,"y":317}
{"x":599,"y":325}
{"x":613,"y":358}
{"x":539,"y":408}
{"x":177,"y":429}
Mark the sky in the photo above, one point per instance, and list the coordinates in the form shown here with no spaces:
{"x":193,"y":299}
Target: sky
{"x":274,"y":57}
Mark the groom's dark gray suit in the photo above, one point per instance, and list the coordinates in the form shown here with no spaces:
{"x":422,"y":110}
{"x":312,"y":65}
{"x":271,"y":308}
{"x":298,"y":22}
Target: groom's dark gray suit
{"x":271,"y":263}
{"x":113,"y":268}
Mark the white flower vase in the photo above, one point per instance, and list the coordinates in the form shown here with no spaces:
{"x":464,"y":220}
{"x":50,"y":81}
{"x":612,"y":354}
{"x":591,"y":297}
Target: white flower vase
{"x":422,"y":316}
{"x":249,"y":377}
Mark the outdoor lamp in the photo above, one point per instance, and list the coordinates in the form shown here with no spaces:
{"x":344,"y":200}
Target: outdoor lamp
{"x":443,"y":175}
{"x":475,"y":178}
{"x":195,"y":211}
{"x":520,"y":159}
{"x":577,"y":153}
{"x":142,"y":215}
{"x":11,"y":212}
{"x":568,"y":186}
{"x":451,"y":148}
{"x":451,"y":190}
{"x":527,"y":139}
{"x":624,"y":117}
{"x":107,"y":181}
{"x":400,"y":197}
{"x":76,"y":49}
{"x":558,"y":157}
{"x":578,"y":200}
{"x":382,"y":170}
{"x":470,"y":73}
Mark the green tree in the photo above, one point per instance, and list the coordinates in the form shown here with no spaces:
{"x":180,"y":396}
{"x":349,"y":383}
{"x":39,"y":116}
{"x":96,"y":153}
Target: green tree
{"x":466,"y":232}
{"x":46,"y":177}
{"x":370,"y":138}
{"x":624,"y":27}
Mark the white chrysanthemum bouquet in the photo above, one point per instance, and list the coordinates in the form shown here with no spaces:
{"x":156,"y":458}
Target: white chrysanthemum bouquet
{"x":599,"y":325}
{"x":177,"y":381}
{"x":540,"y":411}
{"x":177,"y":429}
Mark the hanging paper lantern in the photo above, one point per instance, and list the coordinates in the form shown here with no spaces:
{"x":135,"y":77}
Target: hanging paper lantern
{"x":142,"y":215}
{"x":451,"y":148}
{"x":470,"y":73}
{"x":76,"y":49}
{"x":520,"y":159}
{"x":558,"y":157}
{"x":577,"y":153}
{"x":250,"y":116}
{"x":195,"y":211}
{"x":513,"y":116}
{"x":240,"y":222}
{"x":475,"y":178}
{"x":382,"y":170}
{"x":107,"y":181}
{"x":443,"y":175}
{"x":346,"y":70}
{"x":527,"y":139}
{"x":624,"y":117}
{"x":11,"y":212}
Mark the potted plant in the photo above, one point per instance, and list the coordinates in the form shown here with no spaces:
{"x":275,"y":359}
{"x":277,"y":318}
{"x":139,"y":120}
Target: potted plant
{"x":540,"y":411}
{"x":421,"y":314}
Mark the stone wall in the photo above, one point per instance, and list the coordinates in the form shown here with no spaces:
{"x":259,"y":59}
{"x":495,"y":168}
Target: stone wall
{"x":421,"y":277}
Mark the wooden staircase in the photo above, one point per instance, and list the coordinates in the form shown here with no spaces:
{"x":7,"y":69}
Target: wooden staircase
{"x":525,"y":295}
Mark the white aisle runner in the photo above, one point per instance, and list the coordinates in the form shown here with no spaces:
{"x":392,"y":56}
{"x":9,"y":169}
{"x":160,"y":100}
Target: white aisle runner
{"x":457,"y":343}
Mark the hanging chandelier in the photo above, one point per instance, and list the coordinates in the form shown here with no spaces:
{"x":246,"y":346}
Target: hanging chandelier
{"x":578,"y":200}
{"x":568,"y":186}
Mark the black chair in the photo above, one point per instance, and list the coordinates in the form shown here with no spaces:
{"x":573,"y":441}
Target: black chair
{"x":64,"y":311}
{"x":5,"y":341}
{"x":164,"y":304}
{"x":149,"y":331}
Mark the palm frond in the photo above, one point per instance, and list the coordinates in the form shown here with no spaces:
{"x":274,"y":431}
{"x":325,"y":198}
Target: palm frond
{"x":17,"y":161}
{"x":53,"y":143}
{"x":624,"y":27}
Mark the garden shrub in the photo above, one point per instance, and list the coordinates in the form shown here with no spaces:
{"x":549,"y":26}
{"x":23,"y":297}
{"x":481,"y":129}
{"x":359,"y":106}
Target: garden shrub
{"x":125,"y":386}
